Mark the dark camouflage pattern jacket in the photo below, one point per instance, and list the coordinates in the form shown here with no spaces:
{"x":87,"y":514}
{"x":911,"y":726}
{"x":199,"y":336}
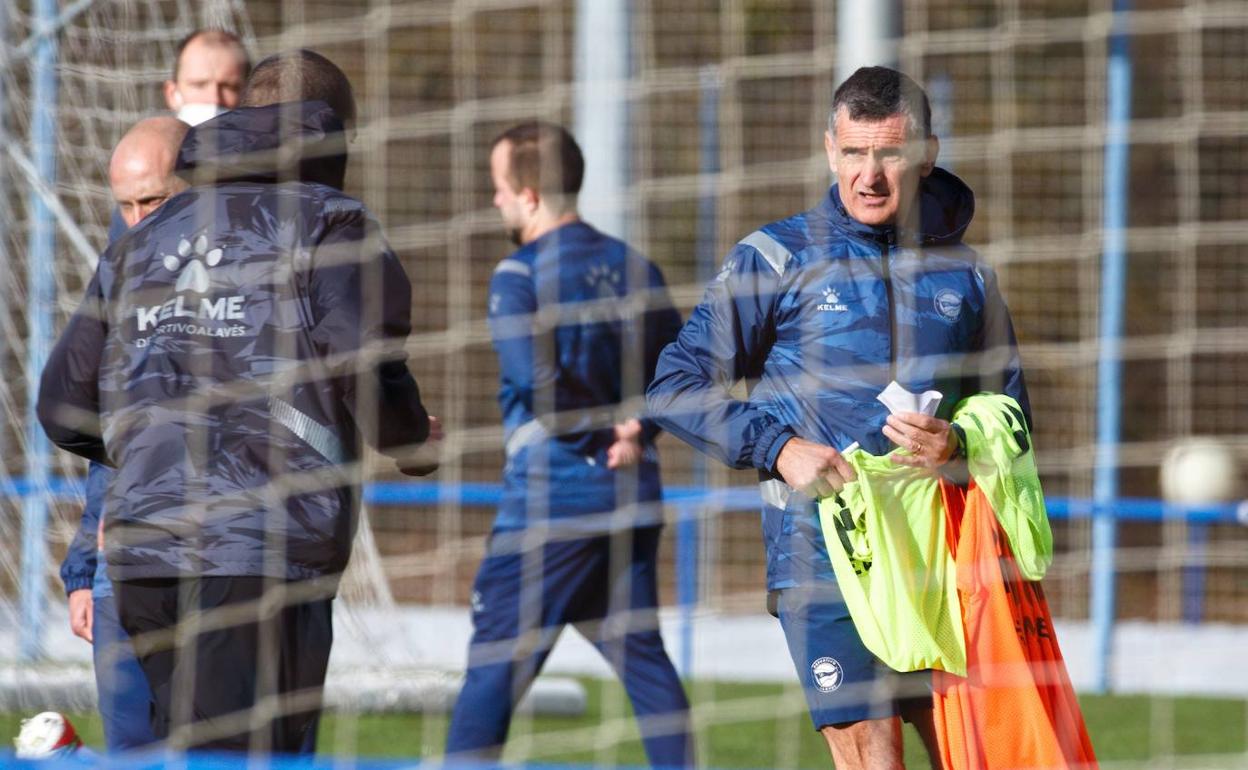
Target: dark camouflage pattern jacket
{"x":232,"y":352}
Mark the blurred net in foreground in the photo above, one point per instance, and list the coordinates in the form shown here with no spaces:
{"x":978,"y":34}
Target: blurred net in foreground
{"x":1018,"y":89}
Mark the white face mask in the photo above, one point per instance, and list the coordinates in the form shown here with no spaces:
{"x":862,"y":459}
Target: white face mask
{"x":194,"y":114}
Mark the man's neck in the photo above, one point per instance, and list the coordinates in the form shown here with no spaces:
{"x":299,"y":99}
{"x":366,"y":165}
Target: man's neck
{"x":541,"y":225}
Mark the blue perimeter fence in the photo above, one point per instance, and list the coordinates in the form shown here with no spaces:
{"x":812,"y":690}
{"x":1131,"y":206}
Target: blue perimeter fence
{"x":692,"y":503}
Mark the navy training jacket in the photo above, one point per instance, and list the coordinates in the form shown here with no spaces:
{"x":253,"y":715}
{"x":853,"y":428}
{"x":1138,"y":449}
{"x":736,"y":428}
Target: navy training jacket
{"x":818,"y":313}
{"x":78,"y":567}
{"x":231,"y":351}
{"x":578,"y":320}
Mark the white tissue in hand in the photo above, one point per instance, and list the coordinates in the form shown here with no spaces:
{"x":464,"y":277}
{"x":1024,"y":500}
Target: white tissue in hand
{"x":898,"y":399}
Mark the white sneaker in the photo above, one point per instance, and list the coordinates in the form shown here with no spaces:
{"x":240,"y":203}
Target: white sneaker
{"x":45,"y":736}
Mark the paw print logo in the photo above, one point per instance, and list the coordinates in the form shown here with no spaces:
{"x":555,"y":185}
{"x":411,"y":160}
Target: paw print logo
{"x":604,"y":279}
{"x":193,"y":260}
{"x":831,"y":297}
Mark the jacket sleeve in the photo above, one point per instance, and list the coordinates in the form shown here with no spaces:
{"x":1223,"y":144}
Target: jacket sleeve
{"x":1000,"y":369}
{"x":361,"y":307}
{"x":662,"y":325}
{"x":69,"y":387}
{"x":513,"y":304}
{"x":78,"y":568}
{"x":726,"y":339}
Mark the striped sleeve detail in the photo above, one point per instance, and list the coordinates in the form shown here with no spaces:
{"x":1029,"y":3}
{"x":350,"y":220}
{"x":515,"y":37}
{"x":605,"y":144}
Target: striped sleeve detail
{"x":772,"y":250}
{"x":513,"y":266}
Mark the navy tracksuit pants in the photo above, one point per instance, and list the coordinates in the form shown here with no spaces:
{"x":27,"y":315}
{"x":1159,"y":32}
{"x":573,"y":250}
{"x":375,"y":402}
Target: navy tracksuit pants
{"x":526,"y":592}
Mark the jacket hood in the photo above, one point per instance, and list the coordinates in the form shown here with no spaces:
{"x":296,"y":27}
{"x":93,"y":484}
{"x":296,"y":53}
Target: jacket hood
{"x":279,"y":142}
{"x":946,"y":207}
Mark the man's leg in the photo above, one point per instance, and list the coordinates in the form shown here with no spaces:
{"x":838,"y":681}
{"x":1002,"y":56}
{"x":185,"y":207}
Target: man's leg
{"x":148,"y":612}
{"x":628,"y":637}
{"x":307,"y":634}
{"x":511,"y":640}
{"x":854,"y":699}
{"x":124,"y":697}
{"x":858,"y":744}
{"x":205,"y":677}
{"x":871,"y":743}
{"x":918,"y":712}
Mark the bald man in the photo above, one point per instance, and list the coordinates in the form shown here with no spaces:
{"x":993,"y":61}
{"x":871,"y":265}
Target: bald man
{"x":141,"y":177}
{"x":208,"y":75}
{"x":141,"y":172}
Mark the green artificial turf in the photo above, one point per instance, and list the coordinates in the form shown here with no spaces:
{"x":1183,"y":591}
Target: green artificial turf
{"x":762,"y":726}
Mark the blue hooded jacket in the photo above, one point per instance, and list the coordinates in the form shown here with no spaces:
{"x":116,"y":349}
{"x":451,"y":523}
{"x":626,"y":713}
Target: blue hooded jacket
{"x":817,"y":313}
{"x":578,"y":320}
{"x":78,"y":567}
{"x":230,"y":353}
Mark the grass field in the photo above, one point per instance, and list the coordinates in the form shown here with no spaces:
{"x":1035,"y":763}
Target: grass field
{"x":759,"y":725}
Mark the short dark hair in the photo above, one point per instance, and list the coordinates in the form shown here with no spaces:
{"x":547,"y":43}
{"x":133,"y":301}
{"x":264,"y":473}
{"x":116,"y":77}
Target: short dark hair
{"x":300,"y":76}
{"x":876,"y":93}
{"x":219,"y":37}
{"x":544,"y":157}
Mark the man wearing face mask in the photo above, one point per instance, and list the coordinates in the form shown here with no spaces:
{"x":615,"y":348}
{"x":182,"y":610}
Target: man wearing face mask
{"x":208,"y":75}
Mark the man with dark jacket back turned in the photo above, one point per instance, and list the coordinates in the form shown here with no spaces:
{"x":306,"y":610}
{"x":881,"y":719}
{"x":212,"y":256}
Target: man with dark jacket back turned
{"x":231,"y":353}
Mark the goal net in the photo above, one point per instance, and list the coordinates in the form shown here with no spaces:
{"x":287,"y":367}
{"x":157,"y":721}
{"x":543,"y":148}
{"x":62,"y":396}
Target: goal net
{"x":724,"y":106}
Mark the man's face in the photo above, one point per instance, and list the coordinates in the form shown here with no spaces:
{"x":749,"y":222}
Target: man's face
{"x":514,"y":205}
{"x":208,"y":73}
{"x":141,"y":186}
{"x":878,"y":165}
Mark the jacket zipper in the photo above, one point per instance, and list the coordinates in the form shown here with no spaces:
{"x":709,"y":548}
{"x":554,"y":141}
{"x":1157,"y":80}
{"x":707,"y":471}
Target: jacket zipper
{"x":892,"y":309}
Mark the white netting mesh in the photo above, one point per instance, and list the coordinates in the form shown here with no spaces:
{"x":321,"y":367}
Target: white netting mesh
{"x":1019,"y":96}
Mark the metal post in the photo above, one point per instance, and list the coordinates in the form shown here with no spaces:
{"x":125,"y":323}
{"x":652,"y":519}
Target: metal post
{"x":6,"y":209}
{"x":867,"y":34}
{"x":1194,"y":572}
{"x":603,"y":66}
{"x":1109,"y":367}
{"x":41,"y":253}
{"x":690,"y":520}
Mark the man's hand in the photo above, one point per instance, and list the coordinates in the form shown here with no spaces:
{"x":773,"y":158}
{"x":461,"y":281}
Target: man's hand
{"x":930,"y":440}
{"x":627,"y":448}
{"x":424,"y":460}
{"x":813,"y":469}
{"x":81,"y":613}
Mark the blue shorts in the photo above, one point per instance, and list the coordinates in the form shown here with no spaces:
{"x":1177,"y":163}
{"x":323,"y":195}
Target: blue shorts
{"x":842,"y":680}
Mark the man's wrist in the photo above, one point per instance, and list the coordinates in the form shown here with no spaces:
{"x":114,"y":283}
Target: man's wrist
{"x":780,"y":435}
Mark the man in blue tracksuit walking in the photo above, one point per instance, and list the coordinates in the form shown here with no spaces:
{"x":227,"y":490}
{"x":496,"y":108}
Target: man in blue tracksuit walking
{"x":819,"y":313}
{"x":578,"y":321}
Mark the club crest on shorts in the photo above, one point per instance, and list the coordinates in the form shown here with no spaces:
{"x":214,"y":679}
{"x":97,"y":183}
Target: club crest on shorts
{"x":948,"y":303}
{"x":827,"y":673}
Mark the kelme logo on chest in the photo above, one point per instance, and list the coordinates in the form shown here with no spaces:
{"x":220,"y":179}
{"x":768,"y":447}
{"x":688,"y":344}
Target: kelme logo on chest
{"x":831,"y":302}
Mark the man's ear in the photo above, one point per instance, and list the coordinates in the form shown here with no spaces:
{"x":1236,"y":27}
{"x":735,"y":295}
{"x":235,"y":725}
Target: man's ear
{"x":931,"y":148}
{"x":829,"y":146}
{"x":532,"y":200}
{"x":173,"y":99}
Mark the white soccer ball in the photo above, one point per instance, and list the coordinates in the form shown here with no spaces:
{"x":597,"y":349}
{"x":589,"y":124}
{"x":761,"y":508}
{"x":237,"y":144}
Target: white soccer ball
{"x":45,"y":736}
{"x":1199,"y":471}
